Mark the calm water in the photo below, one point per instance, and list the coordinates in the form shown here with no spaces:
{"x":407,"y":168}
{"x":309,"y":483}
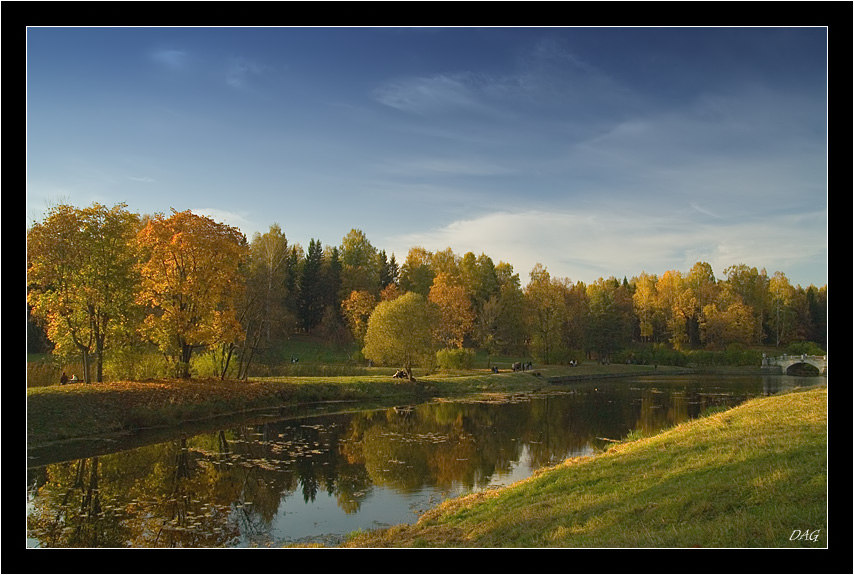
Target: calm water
{"x":315,"y":479}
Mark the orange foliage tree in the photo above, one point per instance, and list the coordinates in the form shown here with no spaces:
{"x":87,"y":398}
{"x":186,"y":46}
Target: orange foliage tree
{"x":191,"y":281}
{"x":456,"y":316}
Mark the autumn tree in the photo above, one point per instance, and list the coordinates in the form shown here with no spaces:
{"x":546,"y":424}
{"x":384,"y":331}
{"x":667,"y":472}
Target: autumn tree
{"x":545,"y":313}
{"x":81,"y":277}
{"x":751,"y":285}
{"x":702,"y":290}
{"x":400,"y":331}
{"x":456,"y":316}
{"x":644,"y":302}
{"x":721,"y":326}
{"x":191,"y":282}
{"x":357,"y":309}
{"x":390,"y":292}
{"x":782,"y":316}
{"x":675,"y":305}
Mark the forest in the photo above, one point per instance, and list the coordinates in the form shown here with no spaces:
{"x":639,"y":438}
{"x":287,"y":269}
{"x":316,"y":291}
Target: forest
{"x":108,"y":285}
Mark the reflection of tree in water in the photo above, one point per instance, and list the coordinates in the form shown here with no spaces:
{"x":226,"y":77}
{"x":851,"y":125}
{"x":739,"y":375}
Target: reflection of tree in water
{"x":466,"y":443}
{"x":69,"y":511}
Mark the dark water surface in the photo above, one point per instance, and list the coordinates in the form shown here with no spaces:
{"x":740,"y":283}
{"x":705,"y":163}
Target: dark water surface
{"x":314,"y":479}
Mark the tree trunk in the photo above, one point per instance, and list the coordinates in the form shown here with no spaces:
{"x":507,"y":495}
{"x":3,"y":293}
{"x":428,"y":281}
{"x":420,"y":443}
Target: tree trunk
{"x":186,"y":352}
{"x":86,"y":371}
{"x":227,"y":361}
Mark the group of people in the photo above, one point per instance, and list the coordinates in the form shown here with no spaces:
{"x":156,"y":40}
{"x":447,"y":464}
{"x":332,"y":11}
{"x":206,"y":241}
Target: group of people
{"x":63,"y":379}
{"x":520,"y":366}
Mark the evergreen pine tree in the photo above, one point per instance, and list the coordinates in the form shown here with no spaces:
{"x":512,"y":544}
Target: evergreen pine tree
{"x":310,"y":293}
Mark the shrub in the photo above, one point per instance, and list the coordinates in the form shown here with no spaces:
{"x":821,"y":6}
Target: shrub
{"x":134,"y":364}
{"x":455,"y":358}
{"x":804,"y":347}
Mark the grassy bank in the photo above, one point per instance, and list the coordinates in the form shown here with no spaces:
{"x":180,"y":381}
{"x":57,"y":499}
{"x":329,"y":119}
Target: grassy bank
{"x":745,"y":477}
{"x":56,"y":413}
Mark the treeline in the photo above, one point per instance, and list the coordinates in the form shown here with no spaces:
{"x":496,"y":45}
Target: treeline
{"x":106,"y":281}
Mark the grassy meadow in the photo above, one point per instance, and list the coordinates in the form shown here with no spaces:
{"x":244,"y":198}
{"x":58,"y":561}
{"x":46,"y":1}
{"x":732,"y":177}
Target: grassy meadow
{"x":747,"y":477}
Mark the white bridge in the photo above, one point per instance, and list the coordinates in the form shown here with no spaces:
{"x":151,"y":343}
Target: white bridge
{"x":784,"y":362}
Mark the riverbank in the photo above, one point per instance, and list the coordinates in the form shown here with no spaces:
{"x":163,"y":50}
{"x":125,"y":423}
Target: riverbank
{"x":57,"y":414}
{"x":754,"y":476}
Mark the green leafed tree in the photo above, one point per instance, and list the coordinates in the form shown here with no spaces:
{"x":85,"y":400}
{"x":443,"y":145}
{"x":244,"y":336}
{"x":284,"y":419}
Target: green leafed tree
{"x":416,"y":273}
{"x":400,"y":332}
{"x":360,"y":264}
{"x":311,"y":297}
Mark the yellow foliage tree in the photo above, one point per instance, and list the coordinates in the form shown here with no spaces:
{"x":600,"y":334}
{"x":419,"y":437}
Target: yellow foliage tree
{"x":81,"y":277}
{"x":357,"y":309}
{"x":456,"y":316}
{"x":400,"y":332}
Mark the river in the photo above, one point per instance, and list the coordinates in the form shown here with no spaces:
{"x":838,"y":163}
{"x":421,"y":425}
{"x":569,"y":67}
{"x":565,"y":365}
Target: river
{"x":316,"y":478}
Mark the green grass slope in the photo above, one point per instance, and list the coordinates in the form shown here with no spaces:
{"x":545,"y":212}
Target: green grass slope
{"x":744,"y":478}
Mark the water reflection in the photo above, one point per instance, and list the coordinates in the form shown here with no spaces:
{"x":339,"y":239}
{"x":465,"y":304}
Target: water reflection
{"x":278,"y":482}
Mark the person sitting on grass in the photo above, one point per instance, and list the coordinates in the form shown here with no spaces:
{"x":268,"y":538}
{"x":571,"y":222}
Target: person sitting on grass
{"x":73,"y":378}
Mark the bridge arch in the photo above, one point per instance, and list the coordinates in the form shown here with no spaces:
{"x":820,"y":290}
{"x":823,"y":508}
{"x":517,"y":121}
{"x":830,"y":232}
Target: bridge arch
{"x":785,"y":363}
{"x":805,"y":367}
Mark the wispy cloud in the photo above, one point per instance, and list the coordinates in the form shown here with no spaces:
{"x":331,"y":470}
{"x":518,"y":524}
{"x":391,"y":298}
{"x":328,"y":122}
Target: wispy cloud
{"x":171,"y":58}
{"x":240,"y":71}
{"x":444,"y":166}
{"x":142,"y":179}
{"x":440,"y":93}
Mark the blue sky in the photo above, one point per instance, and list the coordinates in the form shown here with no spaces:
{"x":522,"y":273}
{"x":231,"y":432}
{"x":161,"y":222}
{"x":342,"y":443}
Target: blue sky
{"x":594,"y":151}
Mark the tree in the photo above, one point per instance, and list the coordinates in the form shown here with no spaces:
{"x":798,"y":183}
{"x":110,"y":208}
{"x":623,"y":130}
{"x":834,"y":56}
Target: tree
{"x":357,"y":310}
{"x":400,"y":332}
{"x":268,"y":275}
{"x":782,"y":310}
{"x":545,"y":312}
{"x":609,"y":322}
{"x":817,"y":306}
{"x":676,"y":305}
{"x":388,"y":270}
{"x":702,"y":290}
{"x":360,"y":263}
{"x":751,"y":285}
{"x":296,"y":257}
{"x":263,"y":311}
{"x":191,"y":282}
{"x":331,"y":270}
{"x":644,"y":299}
{"x":310,"y":298}
{"x":81,"y":277}
{"x":456,"y":316}
{"x":732,"y":324}
{"x":416,"y":273}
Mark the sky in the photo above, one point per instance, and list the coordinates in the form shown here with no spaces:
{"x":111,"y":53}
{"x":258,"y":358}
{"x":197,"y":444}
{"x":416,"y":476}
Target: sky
{"x":593,"y":151}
